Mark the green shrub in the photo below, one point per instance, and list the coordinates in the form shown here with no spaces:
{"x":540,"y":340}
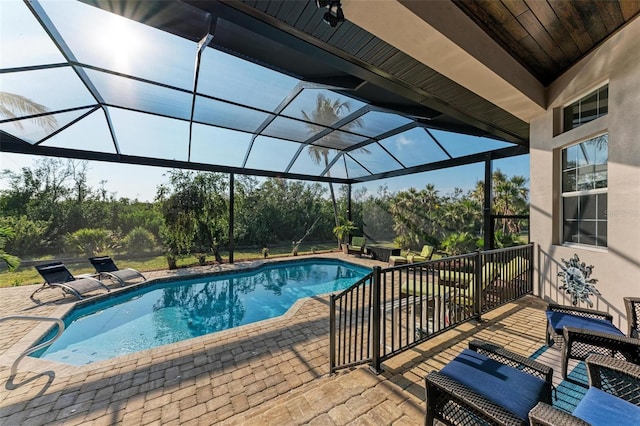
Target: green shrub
{"x":89,"y":242}
{"x":506,"y":239}
{"x":459,"y":243}
{"x":139,"y":240}
{"x":28,"y":237}
{"x":10,"y":260}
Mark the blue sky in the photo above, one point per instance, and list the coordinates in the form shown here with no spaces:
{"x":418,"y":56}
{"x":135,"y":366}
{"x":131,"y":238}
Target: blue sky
{"x":140,"y":182}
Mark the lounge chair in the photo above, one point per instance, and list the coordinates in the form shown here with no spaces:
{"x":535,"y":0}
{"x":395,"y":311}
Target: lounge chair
{"x":500,"y":281}
{"x":400,"y":259}
{"x":512,"y":277}
{"x":428,"y":300}
{"x":612,"y":399}
{"x":357,"y":245}
{"x":487,"y":384}
{"x":513,"y":269}
{"x":56,"y":274}
{"x":106,"y":267}
{"x":456,"y":289}
{"x":462,"y":288}
{"x":587,"y":331}
{"x":425,"y":254}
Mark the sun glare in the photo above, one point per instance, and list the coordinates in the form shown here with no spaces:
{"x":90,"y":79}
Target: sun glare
{"x":118,"y":42}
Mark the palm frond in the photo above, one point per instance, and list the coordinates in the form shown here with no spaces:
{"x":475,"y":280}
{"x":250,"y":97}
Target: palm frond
{"x":12,"y":261}
{"x":15,"y":106}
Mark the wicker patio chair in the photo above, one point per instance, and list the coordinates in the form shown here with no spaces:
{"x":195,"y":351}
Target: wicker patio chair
{"x":613,"y":397}
{"x":487,"y":384}
{"x":357,"y":246}
{"x":633,"y":313}
{"x":586,"y":331}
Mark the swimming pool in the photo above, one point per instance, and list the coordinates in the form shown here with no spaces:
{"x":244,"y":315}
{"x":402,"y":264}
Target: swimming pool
{"x":169,"y":312}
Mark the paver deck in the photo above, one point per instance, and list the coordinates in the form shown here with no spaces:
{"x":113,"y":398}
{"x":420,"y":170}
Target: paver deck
{"x":275,"y":372}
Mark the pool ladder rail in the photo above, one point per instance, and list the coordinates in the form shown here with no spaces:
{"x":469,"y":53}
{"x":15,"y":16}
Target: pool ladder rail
{"x":14,"y":366}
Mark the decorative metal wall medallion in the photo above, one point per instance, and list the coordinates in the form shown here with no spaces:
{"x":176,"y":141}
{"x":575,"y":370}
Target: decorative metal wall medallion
{"x":577,"y":280}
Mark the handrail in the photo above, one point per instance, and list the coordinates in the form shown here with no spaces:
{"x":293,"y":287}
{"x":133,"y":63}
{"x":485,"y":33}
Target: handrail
{"x":376,"y":319}
{"x":358,"y":283}
{"x":14,"y":367}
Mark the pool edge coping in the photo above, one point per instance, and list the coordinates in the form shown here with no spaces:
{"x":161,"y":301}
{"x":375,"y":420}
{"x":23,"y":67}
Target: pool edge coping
{"x":60,"y":369}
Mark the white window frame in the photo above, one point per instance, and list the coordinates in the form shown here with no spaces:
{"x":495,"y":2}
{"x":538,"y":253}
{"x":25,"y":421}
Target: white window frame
{"x":578,"y":193}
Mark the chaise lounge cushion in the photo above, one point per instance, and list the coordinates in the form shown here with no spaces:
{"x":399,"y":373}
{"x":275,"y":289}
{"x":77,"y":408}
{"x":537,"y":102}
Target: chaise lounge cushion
{"x":425,"y":254}
{"x":512,"y":269}
{"x":497,"y":382}
{"x":487,"y":274}
{"x":559,"y":320}
{"x":397,"y":260}
{"x":463,"y":296}
{"x":601,"y":408}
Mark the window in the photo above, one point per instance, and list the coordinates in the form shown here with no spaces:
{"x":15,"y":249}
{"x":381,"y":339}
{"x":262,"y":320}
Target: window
{"x":584,"y":192}
{"x":592,"y":106}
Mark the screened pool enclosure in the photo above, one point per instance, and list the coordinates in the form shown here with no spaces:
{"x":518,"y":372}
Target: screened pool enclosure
{"x":79,"y":81}
{"x":217,"y":86}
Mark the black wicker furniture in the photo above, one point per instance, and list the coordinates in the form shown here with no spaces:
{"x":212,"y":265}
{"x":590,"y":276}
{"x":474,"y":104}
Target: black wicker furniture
{"x":383,"y":253}
{"x":587,"y":331}
{"x":613,"y":397}
{"x":633,"y":313}
{"x":487,"y":384}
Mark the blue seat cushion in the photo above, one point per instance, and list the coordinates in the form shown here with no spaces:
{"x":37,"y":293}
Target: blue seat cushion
{"x":600,"y":408}
{"x":558,"y":320}
{"x":512,"y":389}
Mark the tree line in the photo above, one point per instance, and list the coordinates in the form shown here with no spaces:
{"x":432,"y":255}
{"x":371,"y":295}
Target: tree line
{"x":49,"y":210}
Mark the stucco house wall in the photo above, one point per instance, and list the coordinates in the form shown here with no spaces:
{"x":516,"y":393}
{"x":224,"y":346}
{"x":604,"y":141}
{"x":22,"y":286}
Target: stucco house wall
{"x":617,"y":268}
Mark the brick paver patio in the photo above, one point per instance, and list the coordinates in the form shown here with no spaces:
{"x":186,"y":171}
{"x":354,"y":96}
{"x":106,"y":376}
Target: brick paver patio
{"x":271,"y":372}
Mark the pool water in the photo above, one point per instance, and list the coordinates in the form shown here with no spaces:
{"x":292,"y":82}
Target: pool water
{"x":169,"y":312}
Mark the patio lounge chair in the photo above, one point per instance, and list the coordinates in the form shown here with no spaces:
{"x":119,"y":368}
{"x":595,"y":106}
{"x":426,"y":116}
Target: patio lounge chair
{"x":425,"y":254}
{"x":613,"y":397}
{"x":512,"y":277}
{"x":587,"y":331}
{"x":513,"y":269}
{"x":486,"y":384}
{"x":56,"y":274}
{"x":456,"y":289}
{"x":400,"y":259}
{"x":106,"y":267}
{"x":357,"y":245}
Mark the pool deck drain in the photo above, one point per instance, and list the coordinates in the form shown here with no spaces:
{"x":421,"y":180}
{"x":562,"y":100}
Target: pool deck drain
{"x":271,"y":372}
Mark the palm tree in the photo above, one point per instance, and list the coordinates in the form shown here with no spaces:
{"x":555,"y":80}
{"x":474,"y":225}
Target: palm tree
{"x":14,"y":106}
{"x":402,"y":210}
{"x":509,"y":198}
{"x":416,"y":216}
{"x":327,"y":112}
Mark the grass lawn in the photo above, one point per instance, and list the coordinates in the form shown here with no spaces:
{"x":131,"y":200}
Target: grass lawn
{"x":28,"y":275}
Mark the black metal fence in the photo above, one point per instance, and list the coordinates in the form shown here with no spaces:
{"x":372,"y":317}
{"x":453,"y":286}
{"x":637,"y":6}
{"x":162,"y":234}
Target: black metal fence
{"x":417,"y":301}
